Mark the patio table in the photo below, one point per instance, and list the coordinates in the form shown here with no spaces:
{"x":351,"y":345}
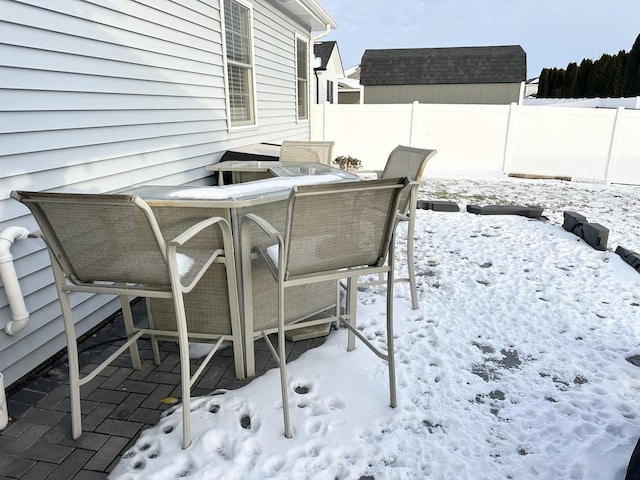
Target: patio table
{"x":178,"y":206}
{"x":274,"y":169}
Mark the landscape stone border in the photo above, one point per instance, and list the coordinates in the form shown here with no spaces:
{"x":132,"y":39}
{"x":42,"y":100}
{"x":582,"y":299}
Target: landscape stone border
{"x":438,"y":205}
{"x":629,"y":256}
{"x":593,"y":233}
{"x":529,"y":211}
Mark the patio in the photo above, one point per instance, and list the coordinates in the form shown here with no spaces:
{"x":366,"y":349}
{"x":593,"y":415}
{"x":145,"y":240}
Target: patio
{"x":118,"y":405}
{"x":479,"y":399}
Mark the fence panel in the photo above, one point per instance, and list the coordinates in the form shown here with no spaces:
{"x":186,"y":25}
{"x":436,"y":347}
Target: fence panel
{"x":581,"y":143}
{"x":625,"y":160}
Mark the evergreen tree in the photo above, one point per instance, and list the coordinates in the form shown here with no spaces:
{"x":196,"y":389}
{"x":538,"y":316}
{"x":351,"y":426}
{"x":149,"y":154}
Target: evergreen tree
{"x":558,"y":81}
{"x":632,"y":74}
{"x":609,"y":76}
{"x":570,"y":79}
{"x":543,"y":83}
{"x":618,"y":67}
{"x":601,"y":74}
{"x":584,"y":71}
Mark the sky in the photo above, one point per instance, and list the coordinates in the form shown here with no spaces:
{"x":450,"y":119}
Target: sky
{"x":553,"y":33}
{"x":517,"y":364}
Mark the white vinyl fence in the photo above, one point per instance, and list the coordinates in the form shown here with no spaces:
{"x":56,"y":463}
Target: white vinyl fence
{"x":599,"y":144}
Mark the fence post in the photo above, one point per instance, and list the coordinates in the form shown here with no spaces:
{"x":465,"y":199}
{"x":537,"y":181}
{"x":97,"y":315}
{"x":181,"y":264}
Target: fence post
{"x":509,"y":136}
{"x":613,"y":145}
{"x":414,"y":105}
{"x":324,"y":121}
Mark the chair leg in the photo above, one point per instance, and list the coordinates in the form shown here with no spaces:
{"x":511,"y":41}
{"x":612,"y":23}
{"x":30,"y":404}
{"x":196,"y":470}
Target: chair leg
{"x":247,"y":326}
{"x":74,"y":366}
{"x":410,"y":262}
{"x":352,"y":293}
{"x":185,"y":369}
{"x":390,"y":343}
{"x":282,"y":354}
{"x":154,"y":340}
{"x":129,"y":328}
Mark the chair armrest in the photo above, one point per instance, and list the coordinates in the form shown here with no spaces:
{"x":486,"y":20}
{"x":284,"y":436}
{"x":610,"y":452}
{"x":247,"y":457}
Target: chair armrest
{"x":265,"y":226}
{"x":226,"y":252}
{"x":245,"y":238}
{"x":192,"y":231}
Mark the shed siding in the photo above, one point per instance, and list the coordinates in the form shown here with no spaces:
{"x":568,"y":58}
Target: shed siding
{"x":490,"y":93}
{"x":101,"y":95}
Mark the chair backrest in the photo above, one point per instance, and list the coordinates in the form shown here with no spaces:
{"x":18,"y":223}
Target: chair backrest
{"x":340,"y":225}
{"x":302,"y":151}
{"x":407,"y":162}
{"x":100,"y":237}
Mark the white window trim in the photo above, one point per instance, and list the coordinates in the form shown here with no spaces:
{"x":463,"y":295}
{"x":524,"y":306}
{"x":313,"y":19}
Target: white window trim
{"x":230,"y":126}
{"x":307,"y":40}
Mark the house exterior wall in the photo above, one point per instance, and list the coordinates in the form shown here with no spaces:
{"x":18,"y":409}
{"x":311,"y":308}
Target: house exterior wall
{"x":100,"y":95}
{"x":484,"y":93}
{"x":332,"y":74}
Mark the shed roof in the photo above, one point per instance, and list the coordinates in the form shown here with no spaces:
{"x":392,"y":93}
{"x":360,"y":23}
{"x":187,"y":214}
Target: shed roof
{"x":458,"y":65}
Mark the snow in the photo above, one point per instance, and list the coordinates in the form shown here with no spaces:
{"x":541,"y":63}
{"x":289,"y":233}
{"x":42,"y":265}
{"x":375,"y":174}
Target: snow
{"x":514,"y":366}
{"x":255,"y":187}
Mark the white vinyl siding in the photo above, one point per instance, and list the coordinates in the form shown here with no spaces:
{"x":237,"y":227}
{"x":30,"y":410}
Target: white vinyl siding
{"x":101,"y":95}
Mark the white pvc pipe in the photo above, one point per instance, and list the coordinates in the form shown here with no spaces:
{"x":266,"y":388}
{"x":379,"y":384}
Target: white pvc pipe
{"x":4,"y":413}
{"x":9,"y":277}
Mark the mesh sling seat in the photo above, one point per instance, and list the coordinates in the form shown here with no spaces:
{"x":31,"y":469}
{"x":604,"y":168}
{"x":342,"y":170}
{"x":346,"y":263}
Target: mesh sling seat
{"x":112,"y":244}
{"x":302,"y":151}
{"x":407,"y":162}
{"x":332,"y":232}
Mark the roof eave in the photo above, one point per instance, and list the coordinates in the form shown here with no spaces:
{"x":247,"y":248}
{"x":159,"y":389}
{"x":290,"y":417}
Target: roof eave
{"x":308,"y":12}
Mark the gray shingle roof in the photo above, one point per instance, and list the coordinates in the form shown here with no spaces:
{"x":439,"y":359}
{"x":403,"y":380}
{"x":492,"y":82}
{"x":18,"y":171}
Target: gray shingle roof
{"x":323,"y":50}
{"x":423,"y":66}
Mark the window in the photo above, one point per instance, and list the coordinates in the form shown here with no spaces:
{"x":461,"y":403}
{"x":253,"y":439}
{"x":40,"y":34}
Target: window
{"x":237,"y":23}
{"x":329,"y":91}
{"x":302,"y":73}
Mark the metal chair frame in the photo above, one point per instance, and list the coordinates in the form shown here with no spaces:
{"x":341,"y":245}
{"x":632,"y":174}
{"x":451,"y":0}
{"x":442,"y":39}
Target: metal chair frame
{"x":410,"y":162}
{"x":306,"y":151}
{"x":289,"y":273}
{"x":68,"y":280}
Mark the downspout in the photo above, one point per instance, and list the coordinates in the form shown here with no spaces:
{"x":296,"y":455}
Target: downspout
{"x":327,"y":29}
{"x":9,"y":277}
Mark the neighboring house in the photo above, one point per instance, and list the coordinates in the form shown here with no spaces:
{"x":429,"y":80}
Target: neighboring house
{"x":349,"y":88}
{"x":470,"y":75}
{"x":99,"y":96}
{"x":531,"y":87}
{"x":327,"y":71}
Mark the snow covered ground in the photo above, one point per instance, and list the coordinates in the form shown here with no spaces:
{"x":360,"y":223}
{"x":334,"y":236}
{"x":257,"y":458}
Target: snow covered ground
{"x":514,"y":367}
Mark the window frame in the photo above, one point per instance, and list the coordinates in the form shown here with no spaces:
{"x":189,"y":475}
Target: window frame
{"x":252,"y":122}
{"x":306,"y":41}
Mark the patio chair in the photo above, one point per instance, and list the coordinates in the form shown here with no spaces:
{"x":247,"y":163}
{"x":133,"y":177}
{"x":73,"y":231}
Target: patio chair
{"x":332,"y":232}
{"x":302,"y":151}
{"x":112,"y":244}
{"x":409,"y":162}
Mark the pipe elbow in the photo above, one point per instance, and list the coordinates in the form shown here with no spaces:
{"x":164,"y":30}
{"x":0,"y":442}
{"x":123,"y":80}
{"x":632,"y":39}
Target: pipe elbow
{"x":9,"y":277}
{"x":13,"y":327}
{"x":7,"y":237}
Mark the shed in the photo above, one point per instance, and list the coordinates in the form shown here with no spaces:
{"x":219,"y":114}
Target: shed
{"x":476,"y":75}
